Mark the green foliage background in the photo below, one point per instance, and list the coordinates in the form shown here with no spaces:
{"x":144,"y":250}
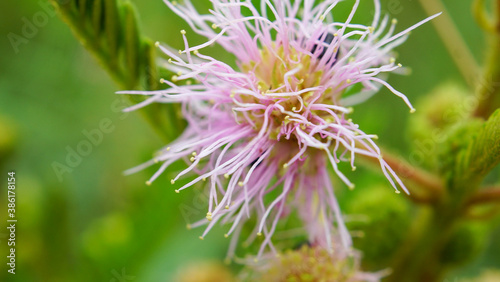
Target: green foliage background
{"x":96,"y":222}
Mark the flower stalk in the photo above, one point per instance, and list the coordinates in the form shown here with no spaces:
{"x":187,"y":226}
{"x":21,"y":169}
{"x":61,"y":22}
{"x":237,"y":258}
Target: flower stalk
{"x":428,"y":186}
{"x":453,"y":41}
{"x":487,"y":195}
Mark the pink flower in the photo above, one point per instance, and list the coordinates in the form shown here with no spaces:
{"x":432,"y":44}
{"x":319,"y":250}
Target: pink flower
{"x":266,"y":134}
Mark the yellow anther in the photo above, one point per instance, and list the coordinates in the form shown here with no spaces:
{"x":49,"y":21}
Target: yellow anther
{"x":226,"y":176}
{"x":400,"y":65}
{"x":172,"y":181}
{"x":162,"y":80}
{"x":392,"y":60}
{"x":227,"y":207}
{"x":148,"y":183}
{"x":214,"y":26}
{"x":168,"y":148}
{"x":183,"y":32}
{"x":394,"y":21}
{"x":352,"y":186}
{"x":285,"y":165}
{"x":321,"y":17}
{"x":353,"y":168}
{"x":192,"y":159}
{"x":179,"y":73}
{"x":398,"y":192}
{"x":371,"y":29}
{"x":157,"y":43}
{"x":413,"y":111}
{"x":170,"y":60}
{"x":201,"y":237}
{"x":259,"y":234}
{"x":188,"y":226}
{"x":204,"y":179}
{"x":180,"y":52}
{"x":348,"y":81}
{"x":335,"y":34}
{"x":240,"y":183}
{"x":175,"y":78}
{"x":226,"y":235}
{"x":196,"y":52}
{"x":177,"y":191}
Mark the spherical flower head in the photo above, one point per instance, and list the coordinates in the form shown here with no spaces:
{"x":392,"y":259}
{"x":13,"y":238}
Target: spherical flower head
{"x":266,"y":133}
{"x":310,"y":263}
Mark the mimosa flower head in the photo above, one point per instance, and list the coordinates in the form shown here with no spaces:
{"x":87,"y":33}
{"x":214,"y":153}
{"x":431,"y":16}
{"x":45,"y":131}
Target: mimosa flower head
{"x":266,"y":131}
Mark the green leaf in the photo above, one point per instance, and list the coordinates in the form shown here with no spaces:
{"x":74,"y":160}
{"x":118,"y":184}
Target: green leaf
{"x":112,"y":27}
{"x":132,"y":41}
{"x":484,"y":151}
{"x":97,"y":12}
{"x":83,"y":7}
{"x":437,"y":113}
{"x":109,"y":30}
{"x":472,"y":151}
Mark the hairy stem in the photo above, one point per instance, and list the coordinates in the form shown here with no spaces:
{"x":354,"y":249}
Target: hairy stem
{"x":489,"y":88}
{"x":482,"y":17}
{"x":486,"y":195}
{"x":431,"y":187}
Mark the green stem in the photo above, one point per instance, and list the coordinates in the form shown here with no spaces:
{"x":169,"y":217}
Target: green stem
{"x":482,"y":18}
{"x":453,"y":40}
{"x":488,"y":91}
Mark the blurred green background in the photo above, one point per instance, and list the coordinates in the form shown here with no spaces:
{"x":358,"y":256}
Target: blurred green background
{"x":95,"y":224}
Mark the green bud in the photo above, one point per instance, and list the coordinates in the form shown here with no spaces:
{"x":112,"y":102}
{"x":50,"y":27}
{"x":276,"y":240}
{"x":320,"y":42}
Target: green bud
{"x":384,"y":219}
{"x":309,"y":264}
{"x":437,"y":112}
